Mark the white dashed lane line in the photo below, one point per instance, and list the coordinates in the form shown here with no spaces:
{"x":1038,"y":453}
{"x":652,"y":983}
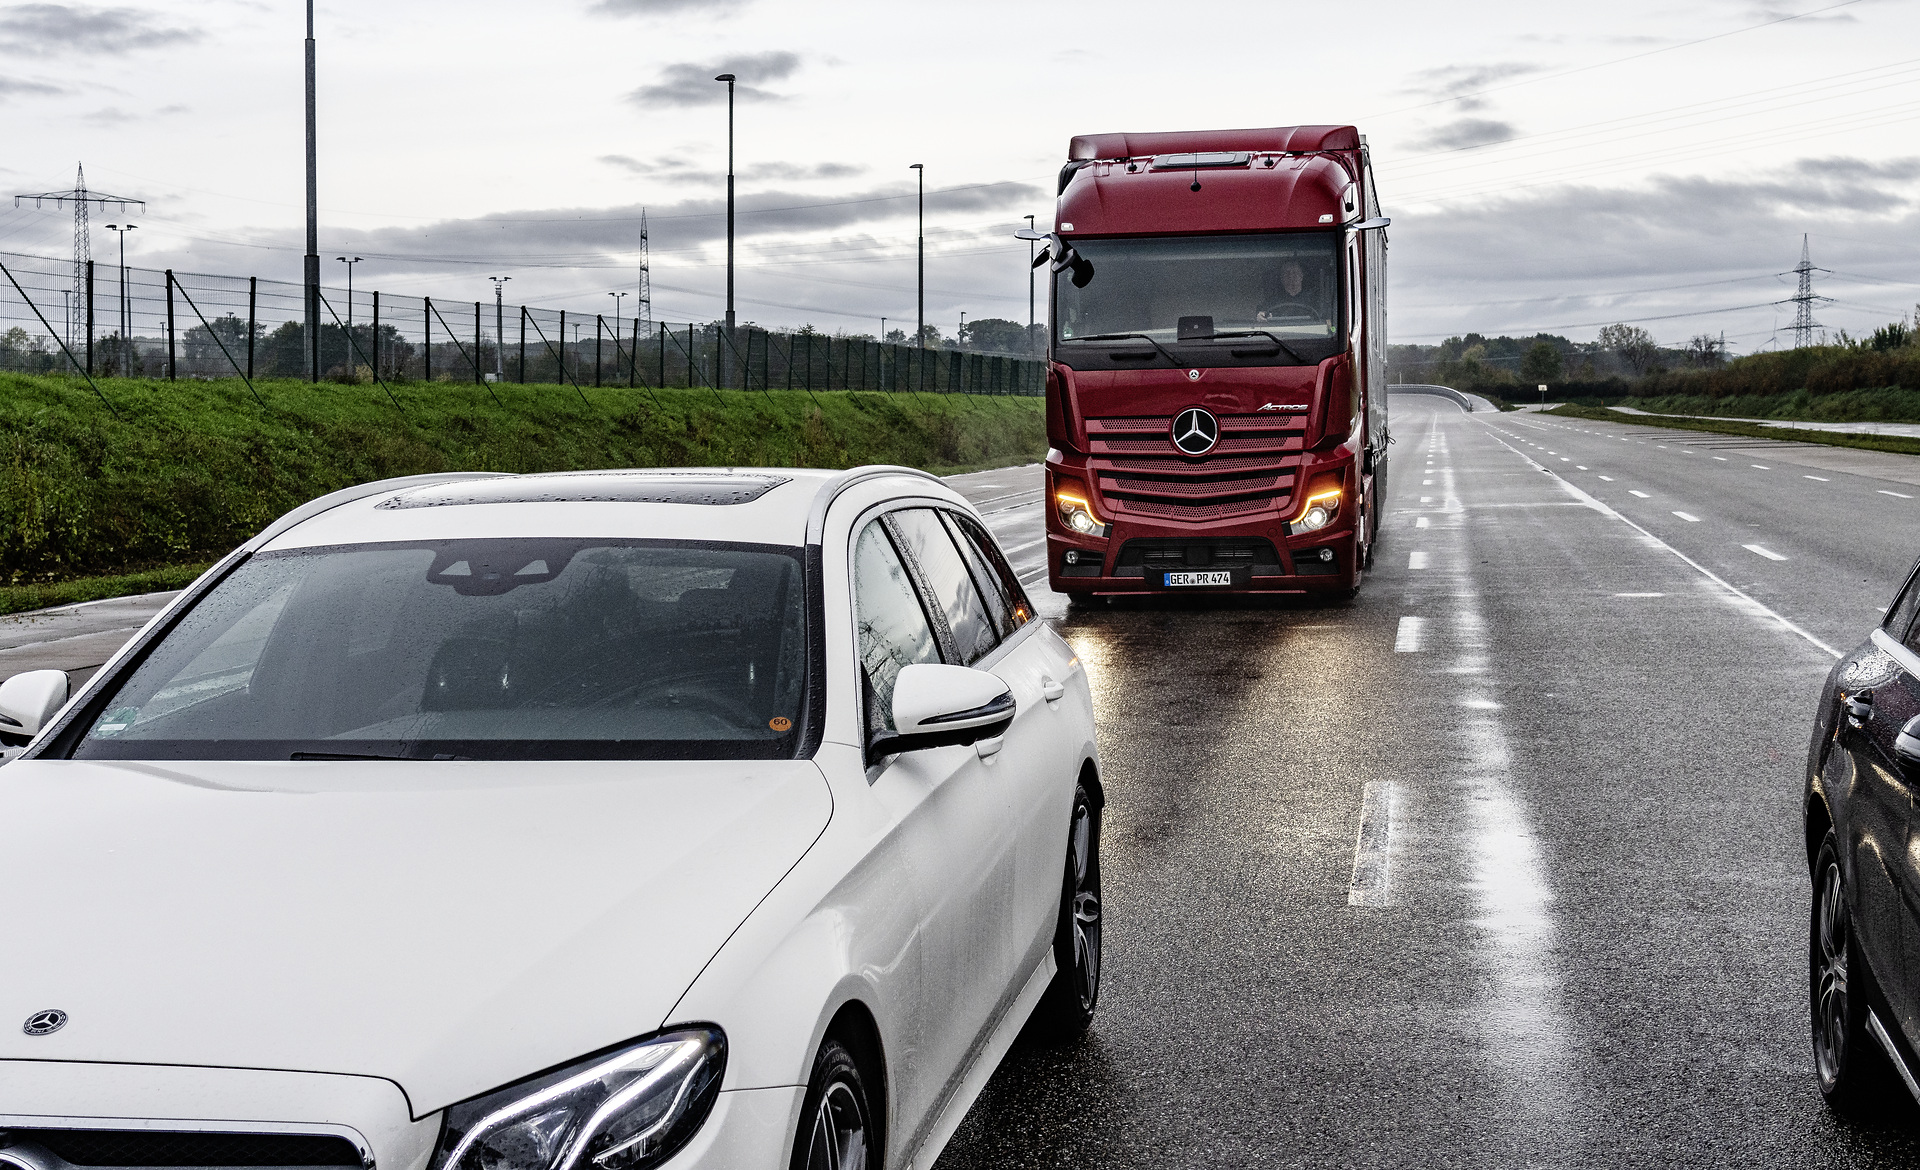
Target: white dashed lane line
{"x":1642,"y":495}
{"x":1689,"y":517}
{"x":1898,"y":495}
{"x":1417,"y":560}
{"x":1821,"y":478}
{"x":1759,"y":467}
{"x":1639,"y":595}
{"x":1406,"y":640}
{"x":1608,"y":478}
{"x":1371,"y":884}
{"x":1762,"y":551}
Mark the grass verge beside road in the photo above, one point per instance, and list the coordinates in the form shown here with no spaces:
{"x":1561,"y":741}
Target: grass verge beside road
{"x":179,"y":472}
{"x":1897,"y":444}
{"x":20,"y":598}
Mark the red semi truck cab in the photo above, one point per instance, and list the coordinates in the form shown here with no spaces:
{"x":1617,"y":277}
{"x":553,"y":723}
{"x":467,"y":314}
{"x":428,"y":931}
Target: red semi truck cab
{"x":1216,"y":384}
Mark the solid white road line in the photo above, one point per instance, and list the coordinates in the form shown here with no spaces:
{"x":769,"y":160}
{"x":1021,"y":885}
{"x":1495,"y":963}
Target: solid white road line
{"x":1689,"y":517}
{"x":1371,"y":884}
{"x":1417,"y":560}
{"x":1406,"y":640}
{"x":1760,"y":551}
{"x":1642,"y":495}
{"x":1900,"y":495}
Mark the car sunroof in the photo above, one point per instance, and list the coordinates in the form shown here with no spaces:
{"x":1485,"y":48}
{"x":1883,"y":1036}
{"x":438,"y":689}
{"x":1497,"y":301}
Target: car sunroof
{"x":645,"y":488}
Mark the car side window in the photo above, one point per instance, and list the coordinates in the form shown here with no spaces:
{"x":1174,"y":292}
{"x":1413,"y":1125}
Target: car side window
{"x":891,"y":626}
{"x":1006,"y":601}
{"x":956,"y":601}
{"x":1900,"y":614}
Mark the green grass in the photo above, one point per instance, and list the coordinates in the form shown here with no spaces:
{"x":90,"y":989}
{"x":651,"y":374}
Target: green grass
{"x":20,"y":598}
{"x":1885,"y":404}
{"x":1894,"y":443}
{"x":178,"y":473}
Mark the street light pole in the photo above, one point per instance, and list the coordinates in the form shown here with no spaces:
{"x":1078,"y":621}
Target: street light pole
{"x":920,"y":338}
{"x":313,"y":214}
{"x":1030,"y":287}
{"x":883,"y":331}
{"x":961,"y":336}
{"x":349,"y":264}
{"x":126,"y":317}
{"x":729,"y":79}
{"x":499,"y":328}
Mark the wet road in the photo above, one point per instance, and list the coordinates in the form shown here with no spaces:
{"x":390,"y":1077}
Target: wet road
{"x":1570,"y":706}
{"x":1573,"y":932}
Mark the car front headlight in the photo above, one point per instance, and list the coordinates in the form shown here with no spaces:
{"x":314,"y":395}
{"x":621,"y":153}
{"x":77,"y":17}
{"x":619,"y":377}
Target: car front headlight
{"x":624,"y":1110}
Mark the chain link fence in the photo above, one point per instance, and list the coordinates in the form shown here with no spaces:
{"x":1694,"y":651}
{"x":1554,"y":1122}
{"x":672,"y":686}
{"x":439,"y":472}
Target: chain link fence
{"x":149,"y":323}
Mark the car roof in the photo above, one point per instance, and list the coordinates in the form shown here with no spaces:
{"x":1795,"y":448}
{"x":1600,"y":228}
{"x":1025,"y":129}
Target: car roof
{"x":757,"y":505}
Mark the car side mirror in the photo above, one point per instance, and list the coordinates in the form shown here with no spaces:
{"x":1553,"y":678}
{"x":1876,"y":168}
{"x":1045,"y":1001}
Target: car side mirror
{"x":941,"y":706}
{"x":28,"y":700}
{"x":1906,"y":745}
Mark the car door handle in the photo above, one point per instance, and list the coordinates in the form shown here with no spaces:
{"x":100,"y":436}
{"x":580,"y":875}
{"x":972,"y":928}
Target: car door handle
{"x":989,"y":747}
{"x":1051,"y":691}
{"x":1859,"y":708}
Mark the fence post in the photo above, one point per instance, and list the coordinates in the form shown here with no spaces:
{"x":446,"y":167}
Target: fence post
{"x":523,"y":345}
{"x":375,"y":347}
{"x":89,"y":318}
{"x":561,"y":357}
{"x":633,"y":358}
{"x":426,"y":333}
{"x":599,"y":327}
{"x":253,"y":316}
{"x":478,"y":377}
{"x":172,"y":362}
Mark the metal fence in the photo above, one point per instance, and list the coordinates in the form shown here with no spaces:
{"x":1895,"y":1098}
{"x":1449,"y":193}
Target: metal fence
{"x":150,"y":323}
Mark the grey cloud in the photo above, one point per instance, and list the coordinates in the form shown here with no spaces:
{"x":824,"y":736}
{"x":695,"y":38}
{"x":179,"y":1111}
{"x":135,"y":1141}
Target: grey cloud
{"x":692,"y":83}
{"x":679,"y":171}
{"x":1461,"y":82}
{"x":662,"y":7}
{"x":14,"y":87}
{"x":1465,"y":132}
{"x":54,"y":28}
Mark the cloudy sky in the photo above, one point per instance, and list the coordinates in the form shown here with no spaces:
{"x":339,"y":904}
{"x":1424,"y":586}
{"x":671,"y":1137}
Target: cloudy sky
{"x":1553,"y":167}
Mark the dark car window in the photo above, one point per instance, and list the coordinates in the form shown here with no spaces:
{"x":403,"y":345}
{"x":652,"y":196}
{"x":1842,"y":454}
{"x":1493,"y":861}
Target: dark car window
{"x":1899,"y":622}
{"x":956,"y":600}
{"x":1006,"y":601}
{"x":892,"y":628}
{"x":477,"y":649}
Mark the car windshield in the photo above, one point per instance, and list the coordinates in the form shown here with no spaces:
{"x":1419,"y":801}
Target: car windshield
{"x":477,"y":649}
{"x":1286,"y":285}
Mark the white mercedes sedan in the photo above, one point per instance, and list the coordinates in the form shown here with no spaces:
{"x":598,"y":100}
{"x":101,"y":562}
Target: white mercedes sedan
{"x":597,"y":821}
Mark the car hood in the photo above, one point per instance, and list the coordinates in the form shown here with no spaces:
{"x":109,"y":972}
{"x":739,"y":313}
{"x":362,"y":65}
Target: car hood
{"x":450,"y":926}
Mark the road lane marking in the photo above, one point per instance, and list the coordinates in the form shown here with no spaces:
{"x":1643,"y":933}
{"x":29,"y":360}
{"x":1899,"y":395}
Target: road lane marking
{"x":1426,"y":499}
{"x":1608,"y":478}
{"x":1420,"y":522}
{"x":1406,"y":640}
{"x":1759,"y":467}
{"x":1579,"y":467}
{"x":1417,"y":560}
{"x":1689,"y":517}
{"x":1762,"y":551}
{"x":1900,"y":495}
{"x":1821,"y":478}
{"x":1426,"y":483}
{"x":1639,"y":595}
{"x":1642,"y":495}
{"x":1371,"y":884}
{"x":1720,"y":458}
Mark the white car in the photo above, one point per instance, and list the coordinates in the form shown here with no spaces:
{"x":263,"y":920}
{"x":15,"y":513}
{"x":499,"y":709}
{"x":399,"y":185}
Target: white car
{"x":596,"y":821}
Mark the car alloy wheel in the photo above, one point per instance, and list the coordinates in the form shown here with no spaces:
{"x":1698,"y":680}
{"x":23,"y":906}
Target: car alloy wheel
{"x":1086,"y":908}
{"x":839,"y":1140}
{"x":1832,"y":931}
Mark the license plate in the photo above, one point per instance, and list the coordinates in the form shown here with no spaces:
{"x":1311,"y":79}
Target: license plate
{"x":1215,"y":577}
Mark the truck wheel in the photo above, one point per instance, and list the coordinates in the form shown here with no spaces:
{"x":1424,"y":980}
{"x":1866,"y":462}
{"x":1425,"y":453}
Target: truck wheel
{"x":1067,"y":1007}
{"x":1854,"y":1074}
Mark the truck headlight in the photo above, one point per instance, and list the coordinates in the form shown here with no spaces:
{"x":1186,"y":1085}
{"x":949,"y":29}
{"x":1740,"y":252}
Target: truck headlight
{"x":1321,"y":508}
{"x":1075,"y":512}
{"x":625,"y":1110}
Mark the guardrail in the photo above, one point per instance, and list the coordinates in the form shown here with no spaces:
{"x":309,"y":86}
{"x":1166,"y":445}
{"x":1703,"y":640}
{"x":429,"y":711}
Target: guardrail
{"x":1465,"y":402}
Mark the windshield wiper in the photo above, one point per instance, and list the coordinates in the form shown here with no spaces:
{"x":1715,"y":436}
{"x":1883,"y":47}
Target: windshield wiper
{"x":1164,"y":352}
{"x":1270,"y":337}
{"x":366,"y":756}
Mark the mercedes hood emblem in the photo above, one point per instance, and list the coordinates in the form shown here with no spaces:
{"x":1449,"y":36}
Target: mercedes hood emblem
{"x":44,"y":1023}
{"x":1195,"y":431}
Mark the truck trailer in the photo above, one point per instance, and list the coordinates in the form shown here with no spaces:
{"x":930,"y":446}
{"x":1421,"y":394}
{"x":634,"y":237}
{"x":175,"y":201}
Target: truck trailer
{"x":1216,"y":381}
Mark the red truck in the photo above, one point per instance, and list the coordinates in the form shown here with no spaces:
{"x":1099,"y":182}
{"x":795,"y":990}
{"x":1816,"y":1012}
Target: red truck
{"x":1216,"y":383}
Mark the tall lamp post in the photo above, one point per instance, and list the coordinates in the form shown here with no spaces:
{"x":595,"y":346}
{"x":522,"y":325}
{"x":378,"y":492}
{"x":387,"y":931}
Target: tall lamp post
{"x":616,"y":333}
{"x":920,"y":337}
{"x":729,"y":79}
{"x":1030,"y":287}
{"x":313,"y":214}
{"x":126,"y":318}
{"x":349,"y":263}
{"x":499,"y":328}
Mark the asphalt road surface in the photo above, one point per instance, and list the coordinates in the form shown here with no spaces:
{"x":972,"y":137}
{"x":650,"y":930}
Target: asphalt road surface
{"x":1496,"y":865}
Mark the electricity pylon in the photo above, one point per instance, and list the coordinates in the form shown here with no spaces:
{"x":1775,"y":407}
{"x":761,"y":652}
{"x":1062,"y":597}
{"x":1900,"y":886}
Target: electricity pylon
{"x":82,"y":239}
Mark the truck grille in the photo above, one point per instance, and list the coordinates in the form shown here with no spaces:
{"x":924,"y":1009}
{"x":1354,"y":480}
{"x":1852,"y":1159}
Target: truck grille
{"x":112,"y":1147}
{"x":1138,"y":558}
{"x":1251,"y":469}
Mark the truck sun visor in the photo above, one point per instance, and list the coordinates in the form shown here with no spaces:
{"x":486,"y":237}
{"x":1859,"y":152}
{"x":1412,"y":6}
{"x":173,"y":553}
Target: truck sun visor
{"x":1212,"y":158}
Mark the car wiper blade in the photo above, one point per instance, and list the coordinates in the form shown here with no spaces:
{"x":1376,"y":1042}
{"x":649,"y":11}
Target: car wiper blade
{"x":1290,"y":351}
{"x":366,"y":756}
{"x":1164,"y":351}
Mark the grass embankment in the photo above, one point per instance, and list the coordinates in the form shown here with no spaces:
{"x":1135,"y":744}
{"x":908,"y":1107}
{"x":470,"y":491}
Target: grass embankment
{"x":1894,"y":443}
{"x":98,"y":504}
{"x":1885,"y":404}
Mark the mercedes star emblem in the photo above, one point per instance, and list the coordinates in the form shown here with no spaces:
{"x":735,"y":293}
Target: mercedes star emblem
{"x":44,"y":1023}
{"x":1195,"y":431}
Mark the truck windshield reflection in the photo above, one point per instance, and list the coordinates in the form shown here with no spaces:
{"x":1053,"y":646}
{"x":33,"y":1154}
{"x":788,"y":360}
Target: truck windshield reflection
{"x":1286,"y":285}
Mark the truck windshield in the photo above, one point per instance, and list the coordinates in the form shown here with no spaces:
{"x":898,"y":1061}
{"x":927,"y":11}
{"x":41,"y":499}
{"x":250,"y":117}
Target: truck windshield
{"x":1286,"y":285}
{"x":477,"y":649}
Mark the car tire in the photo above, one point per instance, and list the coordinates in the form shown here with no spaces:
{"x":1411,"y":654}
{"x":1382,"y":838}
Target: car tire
{"x":838,"y":1127}
{"x":1854,"y":1074}
{"x":1067,"y":1008}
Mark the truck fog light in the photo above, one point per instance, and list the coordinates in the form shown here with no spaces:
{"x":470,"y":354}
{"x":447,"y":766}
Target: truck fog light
{"x":1073,"y":556}
{"x":1326,"y":554}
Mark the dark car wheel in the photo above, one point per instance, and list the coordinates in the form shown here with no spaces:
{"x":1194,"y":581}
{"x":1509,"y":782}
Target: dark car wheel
{"x":1068,"y":1006}
{"x":836,"y":1120}
{"x":1853,"y":1071}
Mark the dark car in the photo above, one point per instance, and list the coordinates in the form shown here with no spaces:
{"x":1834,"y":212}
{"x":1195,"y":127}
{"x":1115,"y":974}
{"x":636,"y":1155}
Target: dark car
{"x":1863,"y":939}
